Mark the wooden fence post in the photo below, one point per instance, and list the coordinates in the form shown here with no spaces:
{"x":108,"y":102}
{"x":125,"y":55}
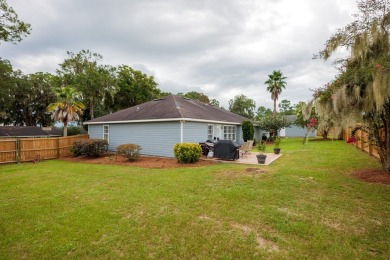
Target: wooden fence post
{"x":18,"y":152}
{"x":58,"y":147}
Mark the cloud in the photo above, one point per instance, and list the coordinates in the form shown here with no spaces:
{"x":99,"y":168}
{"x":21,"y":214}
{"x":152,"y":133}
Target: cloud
{"x":222,"y":48}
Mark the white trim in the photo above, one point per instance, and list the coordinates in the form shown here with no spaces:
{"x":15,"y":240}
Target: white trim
{"x":181,"y":131}
{"x":162,"y":120}
{"x":108,"y":133}
{"x":212,"y":134}
{"x":234,"y":132}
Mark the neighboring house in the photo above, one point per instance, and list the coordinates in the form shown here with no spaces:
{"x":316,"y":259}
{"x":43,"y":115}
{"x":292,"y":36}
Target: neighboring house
{"x":293,"y":130}
{"x":159,"y":124}
{"x":21,"y":131}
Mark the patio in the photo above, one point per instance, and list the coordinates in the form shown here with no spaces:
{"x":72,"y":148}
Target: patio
{"x":249,"y":158}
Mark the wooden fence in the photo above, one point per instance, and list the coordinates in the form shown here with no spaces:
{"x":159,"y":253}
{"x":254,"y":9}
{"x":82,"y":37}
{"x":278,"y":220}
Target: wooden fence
{"x":362,"y":142}
{"x":31,"y":149}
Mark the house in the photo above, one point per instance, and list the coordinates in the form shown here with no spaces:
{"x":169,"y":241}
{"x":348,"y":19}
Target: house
{"x":21,"y":131}
{"x":159,"y":124}
{"x":294,"y":130}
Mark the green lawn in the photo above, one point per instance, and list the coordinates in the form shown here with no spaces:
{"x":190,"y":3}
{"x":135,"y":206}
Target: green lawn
{"x":307,"y":204}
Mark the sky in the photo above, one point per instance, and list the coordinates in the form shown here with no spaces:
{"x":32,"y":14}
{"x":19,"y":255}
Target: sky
{"x":221,"y":48}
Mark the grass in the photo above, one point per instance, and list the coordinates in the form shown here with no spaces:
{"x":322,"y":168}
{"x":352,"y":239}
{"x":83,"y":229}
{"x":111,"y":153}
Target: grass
{"x":306,"y":205}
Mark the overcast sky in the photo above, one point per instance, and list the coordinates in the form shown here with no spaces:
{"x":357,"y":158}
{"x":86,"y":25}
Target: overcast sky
{"x":219,"y":47}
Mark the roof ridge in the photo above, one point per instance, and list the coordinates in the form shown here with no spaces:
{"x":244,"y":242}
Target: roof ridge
{"x":177,"y":106}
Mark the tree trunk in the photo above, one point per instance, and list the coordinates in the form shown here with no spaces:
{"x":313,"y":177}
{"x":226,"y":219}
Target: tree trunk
{"x":386,"y":159}
{"x":274,"y":106}
{"x":386,"y":155}
{"x":91,"y":108}
{"x":65,"y":129}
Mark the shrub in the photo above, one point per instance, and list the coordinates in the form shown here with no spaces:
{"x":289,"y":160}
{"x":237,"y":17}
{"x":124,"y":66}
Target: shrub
{"x":131,"y":151}
{"x":187,"y":152}
{"x":90,"y":147}
{"x":247,"y":130}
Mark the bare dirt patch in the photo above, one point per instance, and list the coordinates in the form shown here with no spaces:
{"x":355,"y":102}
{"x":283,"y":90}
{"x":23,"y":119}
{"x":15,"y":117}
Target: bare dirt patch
{"x":375,"y":176}
{"x":143,"y":161}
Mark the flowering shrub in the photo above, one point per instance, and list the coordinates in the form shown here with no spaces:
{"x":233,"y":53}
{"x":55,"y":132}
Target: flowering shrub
{"x":187,"y":152}
{"x":312,"y":123}
{"x":131,"y":151}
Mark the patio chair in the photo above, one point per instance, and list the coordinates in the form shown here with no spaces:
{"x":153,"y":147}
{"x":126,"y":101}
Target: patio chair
{"x":244,"y":148}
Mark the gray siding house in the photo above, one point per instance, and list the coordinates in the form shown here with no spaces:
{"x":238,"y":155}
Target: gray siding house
{"x":159,"y":124}
{"x":294,"y":130}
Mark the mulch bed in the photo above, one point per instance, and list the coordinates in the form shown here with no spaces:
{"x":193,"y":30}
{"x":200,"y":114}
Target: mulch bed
{"x":143,"y":161}
{"x":375,"y":176}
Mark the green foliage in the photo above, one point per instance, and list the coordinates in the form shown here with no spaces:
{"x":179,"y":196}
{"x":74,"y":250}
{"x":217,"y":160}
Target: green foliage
{"x":277,"y":142}
{"x":25,"y":97}
{"x":262,"y":112}
{"x":261,"y":147}
{"x":285,"y":107}
{"x":275,"y":84}
{"x":90,"y":147}
{"x":361,"y":91}
{"x":195,"y":96}
{"x":67,"y":108}
{"x":134,"y":87}
{"x":11,"y":28}
{"x":273,"y":123}
{"x":187,"y":152}
{"x":74,"y":130}
{"x":243,"y":106}
{"x":95,"y":81}
{"x":214,"y":102}
{"x":247,"y":130}
{"x":130,"y":151}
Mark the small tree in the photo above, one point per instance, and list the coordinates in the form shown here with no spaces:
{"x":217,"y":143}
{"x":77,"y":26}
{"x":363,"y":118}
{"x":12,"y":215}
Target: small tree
{"x":247,"y":130}
{"x":273,"y":123}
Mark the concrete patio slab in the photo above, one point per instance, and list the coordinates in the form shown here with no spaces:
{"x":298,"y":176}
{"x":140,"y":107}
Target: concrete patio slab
{"x":250,"y":158}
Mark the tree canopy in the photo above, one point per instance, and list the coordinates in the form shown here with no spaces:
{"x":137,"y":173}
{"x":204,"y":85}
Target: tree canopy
{"x":272,"y":123}
{"x":243,"y":106}
{"x":361,"y":92}
{"x":276,"y":83}
{"x":67,"y":108}
{"x":11,"y":28}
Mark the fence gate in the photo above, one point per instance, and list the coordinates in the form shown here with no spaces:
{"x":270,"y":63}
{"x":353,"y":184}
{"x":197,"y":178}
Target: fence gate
{"x":9,"y":150}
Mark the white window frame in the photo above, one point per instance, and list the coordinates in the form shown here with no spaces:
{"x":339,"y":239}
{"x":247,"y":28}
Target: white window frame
{"x":210,"y":136}
{"x":106,"y":135}
{"x":230,"y":132}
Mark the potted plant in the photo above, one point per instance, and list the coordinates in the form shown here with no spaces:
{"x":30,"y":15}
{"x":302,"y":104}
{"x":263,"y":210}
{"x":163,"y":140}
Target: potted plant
{"x":276,"y":145}
{"x":261,"y":156}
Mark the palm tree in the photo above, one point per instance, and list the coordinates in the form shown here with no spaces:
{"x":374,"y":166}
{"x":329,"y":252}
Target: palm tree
{"x":67,"y":108}
{"x":275,"y":85}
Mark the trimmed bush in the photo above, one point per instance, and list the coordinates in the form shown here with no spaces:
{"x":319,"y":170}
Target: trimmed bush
{"x":90,"y":147}
{"x":247,"y":130}
{"x":131,"y":151}
{"x":187,"y":152}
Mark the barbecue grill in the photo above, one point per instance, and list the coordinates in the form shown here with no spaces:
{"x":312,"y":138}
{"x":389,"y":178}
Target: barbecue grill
{"x":226,"y":150}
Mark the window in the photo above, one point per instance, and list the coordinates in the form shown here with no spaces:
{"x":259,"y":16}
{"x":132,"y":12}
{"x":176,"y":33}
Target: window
{"x":210,"y":132}
{"x":229,"y":132}
{"x":106,"y":133}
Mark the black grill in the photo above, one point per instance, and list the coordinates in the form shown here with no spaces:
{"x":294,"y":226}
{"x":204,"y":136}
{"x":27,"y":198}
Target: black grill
{"x":226,"y":150}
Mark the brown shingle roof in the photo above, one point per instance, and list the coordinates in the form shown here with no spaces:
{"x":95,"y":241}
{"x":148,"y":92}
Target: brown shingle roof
{"x":21,"y":131}
{"x":171,"y":107}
